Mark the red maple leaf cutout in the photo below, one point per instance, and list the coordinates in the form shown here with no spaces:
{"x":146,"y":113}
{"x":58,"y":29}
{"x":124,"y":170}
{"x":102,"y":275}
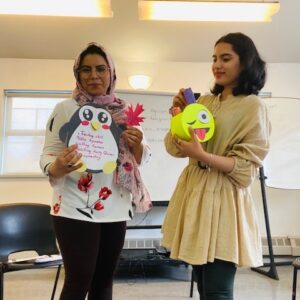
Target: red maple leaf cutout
{"x":133,"y":118}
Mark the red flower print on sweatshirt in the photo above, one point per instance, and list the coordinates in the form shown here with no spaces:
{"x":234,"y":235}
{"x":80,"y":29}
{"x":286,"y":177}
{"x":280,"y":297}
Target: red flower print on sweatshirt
{"x":104,"y":193}
{"x":98,"y":206}
{"x":85,"y":182}
{"x":56,"y":206}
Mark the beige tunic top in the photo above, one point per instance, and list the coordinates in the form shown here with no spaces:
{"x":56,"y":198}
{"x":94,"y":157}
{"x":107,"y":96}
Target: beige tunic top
{"x":211,"y":215}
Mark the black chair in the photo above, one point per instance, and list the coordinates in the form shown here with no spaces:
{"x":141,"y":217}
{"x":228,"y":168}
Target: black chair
{"x":296,"y":265}
{"x":26,"y":227}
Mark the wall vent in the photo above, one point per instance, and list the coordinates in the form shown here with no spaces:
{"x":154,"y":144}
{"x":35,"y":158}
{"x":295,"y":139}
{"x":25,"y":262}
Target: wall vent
{"x":281,"y":245}
{"x":142,"y":243}
{"x":295,"y":242}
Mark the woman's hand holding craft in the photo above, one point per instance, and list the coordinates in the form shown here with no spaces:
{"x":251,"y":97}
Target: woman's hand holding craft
{"x":179,"y":100}
{"x":65,"y":163}
{"x":133,"y":137}
{"x":192,"y":148}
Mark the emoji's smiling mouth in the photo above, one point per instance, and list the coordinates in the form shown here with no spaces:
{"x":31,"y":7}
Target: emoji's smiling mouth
{"x":201,"y":132}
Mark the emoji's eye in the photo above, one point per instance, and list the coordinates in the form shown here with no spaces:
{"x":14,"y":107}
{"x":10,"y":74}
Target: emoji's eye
{"x":203,"y":116}
{"x":88,"y":114}
{"x":102,"y":117}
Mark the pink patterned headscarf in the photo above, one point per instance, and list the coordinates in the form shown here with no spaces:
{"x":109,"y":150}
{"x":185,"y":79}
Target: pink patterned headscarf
{"x":129,"y":178}
{"x":80,"y":94}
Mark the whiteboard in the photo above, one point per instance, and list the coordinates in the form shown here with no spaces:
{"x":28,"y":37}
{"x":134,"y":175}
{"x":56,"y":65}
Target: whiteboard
{"x":160,"y":174}
{"x":282,"y":164}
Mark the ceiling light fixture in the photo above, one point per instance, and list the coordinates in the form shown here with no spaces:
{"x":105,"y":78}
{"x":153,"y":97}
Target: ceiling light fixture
{"x":232,"y":11}
{"x":69,"y":8}
{"x":140,"y":82}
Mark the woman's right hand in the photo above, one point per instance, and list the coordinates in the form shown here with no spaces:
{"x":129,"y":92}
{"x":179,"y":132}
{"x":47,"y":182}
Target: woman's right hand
{"x":179,"y":100}
{"x":65,"y":163}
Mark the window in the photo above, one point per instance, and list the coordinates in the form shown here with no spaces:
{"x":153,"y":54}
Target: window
{"x":25,"y":117}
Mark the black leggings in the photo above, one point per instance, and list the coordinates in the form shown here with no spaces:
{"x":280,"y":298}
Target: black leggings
{"x":215,"y":280}
{"x":90,"y":253}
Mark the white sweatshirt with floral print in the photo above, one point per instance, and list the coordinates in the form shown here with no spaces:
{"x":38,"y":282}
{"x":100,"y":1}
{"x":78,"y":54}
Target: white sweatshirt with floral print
{"x":83,"y":196}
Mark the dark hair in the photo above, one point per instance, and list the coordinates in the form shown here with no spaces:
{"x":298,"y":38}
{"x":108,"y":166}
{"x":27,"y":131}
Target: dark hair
{"x":252,"y":77}
{"x":92,"y":49}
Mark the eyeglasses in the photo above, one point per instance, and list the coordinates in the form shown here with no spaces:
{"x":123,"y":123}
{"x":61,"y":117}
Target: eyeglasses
{"x":86,"y":71}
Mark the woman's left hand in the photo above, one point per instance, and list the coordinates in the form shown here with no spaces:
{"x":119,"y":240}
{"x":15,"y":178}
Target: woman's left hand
{"x":132,"y":136}
{"x":192,"y":148}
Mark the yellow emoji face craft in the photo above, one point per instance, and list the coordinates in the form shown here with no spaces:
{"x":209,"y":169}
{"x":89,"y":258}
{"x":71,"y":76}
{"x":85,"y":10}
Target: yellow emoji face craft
{"x":196,"y":116}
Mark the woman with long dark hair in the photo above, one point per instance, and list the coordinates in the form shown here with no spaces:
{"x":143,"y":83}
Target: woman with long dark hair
{"x":211,"y":221}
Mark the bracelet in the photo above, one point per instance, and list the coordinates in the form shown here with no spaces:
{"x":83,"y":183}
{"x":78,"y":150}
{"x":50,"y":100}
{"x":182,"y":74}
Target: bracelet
{"x":46,"y":169}
{"x":206,"y":166}
{"x":202,"y":165}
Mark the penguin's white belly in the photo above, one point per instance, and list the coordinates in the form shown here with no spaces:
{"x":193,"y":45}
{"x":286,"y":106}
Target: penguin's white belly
{"x":97,"y":147}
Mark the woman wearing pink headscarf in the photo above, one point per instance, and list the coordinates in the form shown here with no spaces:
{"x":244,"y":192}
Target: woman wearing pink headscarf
{"x":90,"y":210}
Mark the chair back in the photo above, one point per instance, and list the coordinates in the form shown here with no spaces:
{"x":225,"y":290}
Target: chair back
{"x":26,"y":227}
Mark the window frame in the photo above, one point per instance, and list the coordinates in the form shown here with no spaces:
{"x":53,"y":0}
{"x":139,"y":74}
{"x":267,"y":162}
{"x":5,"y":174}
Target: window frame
{"x":6,"y":121}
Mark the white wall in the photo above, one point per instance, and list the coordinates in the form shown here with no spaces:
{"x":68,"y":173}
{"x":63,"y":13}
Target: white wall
{"x":283,"y":80}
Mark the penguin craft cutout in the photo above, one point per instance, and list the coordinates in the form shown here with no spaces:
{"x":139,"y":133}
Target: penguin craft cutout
{"x":92,"y":128}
